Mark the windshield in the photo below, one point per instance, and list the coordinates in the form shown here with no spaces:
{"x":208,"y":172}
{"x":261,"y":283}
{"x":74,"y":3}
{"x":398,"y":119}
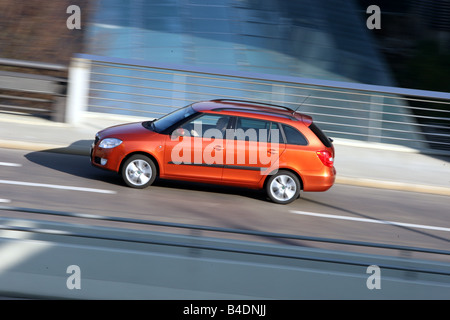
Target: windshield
{"x":168,"y":120}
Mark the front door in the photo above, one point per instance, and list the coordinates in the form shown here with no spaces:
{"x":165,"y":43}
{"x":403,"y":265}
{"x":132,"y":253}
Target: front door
{"x":196,"y":150}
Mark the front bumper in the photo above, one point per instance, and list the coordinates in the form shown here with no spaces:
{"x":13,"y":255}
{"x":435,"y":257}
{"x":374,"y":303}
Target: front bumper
{"x":108,"y":159}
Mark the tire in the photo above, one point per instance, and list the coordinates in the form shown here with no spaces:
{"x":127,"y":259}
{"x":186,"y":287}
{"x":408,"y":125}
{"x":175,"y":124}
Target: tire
{"x":139,"y":171}
{"x":283,"y":187}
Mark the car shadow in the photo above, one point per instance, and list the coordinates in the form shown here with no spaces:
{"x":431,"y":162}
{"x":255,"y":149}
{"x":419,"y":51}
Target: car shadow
{"x":211,"y":188}
{"x":74,"y":160}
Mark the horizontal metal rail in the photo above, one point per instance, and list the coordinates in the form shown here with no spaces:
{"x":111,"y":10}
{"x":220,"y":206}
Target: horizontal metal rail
{"x":250,"y":75}
{"x":26,"y":92}
{"x":250,"y":82}
{"x":415,"y":118}
{"x":32,"y":64}
{"x":261,"y":91}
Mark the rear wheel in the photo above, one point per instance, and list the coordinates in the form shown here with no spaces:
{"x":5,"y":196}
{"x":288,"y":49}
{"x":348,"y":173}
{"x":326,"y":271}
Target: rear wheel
{"x":139,"y":171}
{"x":283,"y":187}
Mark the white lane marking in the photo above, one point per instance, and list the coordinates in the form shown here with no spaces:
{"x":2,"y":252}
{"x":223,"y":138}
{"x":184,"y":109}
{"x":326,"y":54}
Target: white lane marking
{"x":55,"y":186}
{"x":5,"y":201}
{"x":9,"y":164}
{"x":394,"y":223}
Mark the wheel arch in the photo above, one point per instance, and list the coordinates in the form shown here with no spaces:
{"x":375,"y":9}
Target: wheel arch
{"x":153,"y":158}
{"x":284,"y":169}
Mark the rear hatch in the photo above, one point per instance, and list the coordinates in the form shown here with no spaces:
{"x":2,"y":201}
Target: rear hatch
{"x":327,"y":155}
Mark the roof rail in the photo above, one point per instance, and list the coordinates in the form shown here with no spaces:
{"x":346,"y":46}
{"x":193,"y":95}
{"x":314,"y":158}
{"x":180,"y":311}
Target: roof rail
{"x":254,"y":102}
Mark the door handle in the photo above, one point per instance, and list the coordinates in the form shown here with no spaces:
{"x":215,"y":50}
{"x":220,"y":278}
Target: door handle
{"x":218,"y":148}
{"x":272,"y":151}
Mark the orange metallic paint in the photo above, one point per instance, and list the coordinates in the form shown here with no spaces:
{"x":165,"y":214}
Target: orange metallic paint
{"x":302,"y":160}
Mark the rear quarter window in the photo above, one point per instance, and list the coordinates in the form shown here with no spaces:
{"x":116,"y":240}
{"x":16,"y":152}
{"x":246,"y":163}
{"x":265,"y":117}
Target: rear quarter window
{"x":319,"y":134}
{"x":293,"y":136}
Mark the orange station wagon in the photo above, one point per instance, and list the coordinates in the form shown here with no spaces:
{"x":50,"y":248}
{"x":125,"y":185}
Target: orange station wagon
{"x":230,"y":142}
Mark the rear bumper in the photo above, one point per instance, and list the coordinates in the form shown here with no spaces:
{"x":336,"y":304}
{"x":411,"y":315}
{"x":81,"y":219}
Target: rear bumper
{"x":319,"y":180}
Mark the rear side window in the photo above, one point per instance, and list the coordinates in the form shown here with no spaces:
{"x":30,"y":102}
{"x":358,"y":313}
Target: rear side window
{"x":250,"y":129}
{"x":293,"y":136}
{"x":319,"y":133}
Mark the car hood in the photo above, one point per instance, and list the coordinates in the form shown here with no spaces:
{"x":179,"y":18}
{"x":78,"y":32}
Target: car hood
{"x":124,"y":130}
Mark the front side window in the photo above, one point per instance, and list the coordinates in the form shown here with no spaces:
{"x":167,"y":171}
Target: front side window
{"x":206,"y":125}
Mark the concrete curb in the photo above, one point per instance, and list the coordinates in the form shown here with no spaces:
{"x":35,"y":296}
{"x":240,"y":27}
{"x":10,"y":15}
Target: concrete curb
{"x":352,"y":181}
{"x":393,"y":185}
{"x":387,"y":147}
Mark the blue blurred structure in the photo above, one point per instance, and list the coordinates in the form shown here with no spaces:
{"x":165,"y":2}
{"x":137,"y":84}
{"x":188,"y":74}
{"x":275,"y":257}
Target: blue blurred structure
{"x":201,"y":49}
{"x":325,"y":39}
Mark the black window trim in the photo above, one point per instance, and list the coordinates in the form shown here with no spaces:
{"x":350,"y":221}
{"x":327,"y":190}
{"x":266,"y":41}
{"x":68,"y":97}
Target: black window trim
{"x":285,"y":138}
{"x":327,"y":142}
{"x":280,"y":129}
{"x":233,"y":125}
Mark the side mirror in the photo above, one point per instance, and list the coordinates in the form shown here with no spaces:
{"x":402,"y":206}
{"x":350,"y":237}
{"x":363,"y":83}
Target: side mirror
{"x":180,"y":132}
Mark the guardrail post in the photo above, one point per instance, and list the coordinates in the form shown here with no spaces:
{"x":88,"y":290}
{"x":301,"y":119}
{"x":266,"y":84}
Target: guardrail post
{"x":78,"y":91}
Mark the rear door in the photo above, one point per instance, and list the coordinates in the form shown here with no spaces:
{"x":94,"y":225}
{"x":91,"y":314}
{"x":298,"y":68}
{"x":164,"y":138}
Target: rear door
{"x":253,"y":152}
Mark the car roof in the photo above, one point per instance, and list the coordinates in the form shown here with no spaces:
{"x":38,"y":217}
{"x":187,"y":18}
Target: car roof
{"x":250,"y":107}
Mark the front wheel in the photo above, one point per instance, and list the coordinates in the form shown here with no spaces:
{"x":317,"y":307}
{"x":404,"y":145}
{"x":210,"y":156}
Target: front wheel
{"x":283,"y":187}
{"x":138,"y":171}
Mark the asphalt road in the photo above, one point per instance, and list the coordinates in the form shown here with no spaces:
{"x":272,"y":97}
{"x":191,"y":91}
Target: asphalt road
{"x":52,"y":181}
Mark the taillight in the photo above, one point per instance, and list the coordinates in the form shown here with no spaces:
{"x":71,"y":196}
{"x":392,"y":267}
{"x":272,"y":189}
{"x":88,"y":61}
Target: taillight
{"x":326,"y":157}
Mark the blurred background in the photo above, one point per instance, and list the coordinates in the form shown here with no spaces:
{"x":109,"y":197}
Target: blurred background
{"x":325,"y":40}
{"x":381,"y":94}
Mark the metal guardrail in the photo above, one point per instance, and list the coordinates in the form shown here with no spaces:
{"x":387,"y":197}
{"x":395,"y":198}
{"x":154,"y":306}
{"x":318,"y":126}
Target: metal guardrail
{"x":31,"y":93}
{"x":33,"y":64}
{"x":415,"y":118}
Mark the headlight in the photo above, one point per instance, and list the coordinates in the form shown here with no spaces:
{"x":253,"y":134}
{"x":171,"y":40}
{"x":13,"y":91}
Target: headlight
{"x":109,"y":143}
